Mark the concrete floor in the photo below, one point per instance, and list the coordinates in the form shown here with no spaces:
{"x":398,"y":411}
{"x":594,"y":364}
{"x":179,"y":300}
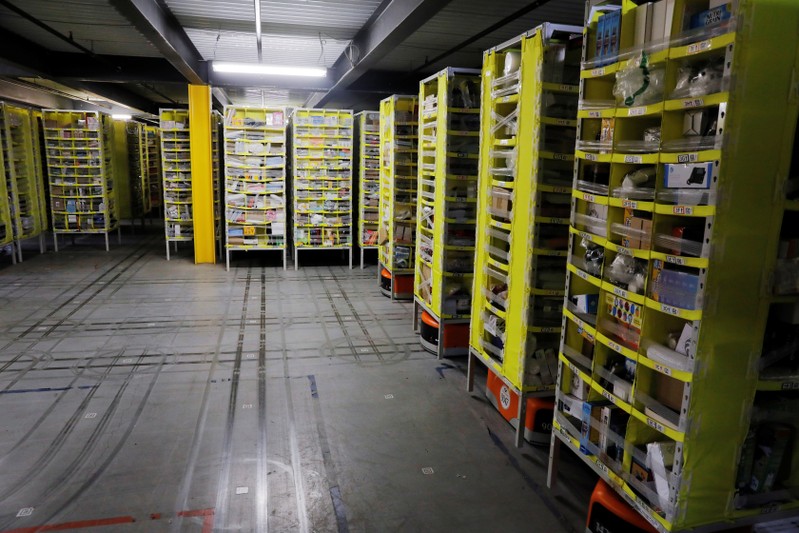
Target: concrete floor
{"x":138,"y":394}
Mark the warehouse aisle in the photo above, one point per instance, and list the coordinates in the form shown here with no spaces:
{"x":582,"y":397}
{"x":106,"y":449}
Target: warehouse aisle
{"x":145,"y":395}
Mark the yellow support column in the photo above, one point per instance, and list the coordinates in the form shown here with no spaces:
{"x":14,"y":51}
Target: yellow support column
{"x":202,"y":185}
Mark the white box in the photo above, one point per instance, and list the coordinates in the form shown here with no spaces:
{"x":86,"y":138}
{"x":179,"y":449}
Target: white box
{"x":658,"y":20}
{"x":643,"y":24}
{"x":688,"y":175}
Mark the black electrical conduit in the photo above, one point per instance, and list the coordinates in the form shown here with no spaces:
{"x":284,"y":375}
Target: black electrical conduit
{"x":491,"y":29}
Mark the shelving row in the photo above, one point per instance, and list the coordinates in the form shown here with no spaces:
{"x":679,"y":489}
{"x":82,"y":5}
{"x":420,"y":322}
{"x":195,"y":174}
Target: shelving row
{"x":529,"y":97}
{"x":82,"y":187}
{"x":678,"y":195}
{"x":368,"y":134}
{"x":255,"y":180}
{"x":139,"y":167}
{"x":27,"y":212}
{"x":449,"y":141}
{"x":322,"y":141}
{"x":176,"y":168}
{"x":398,"y":178}
{"x":152,"y":143}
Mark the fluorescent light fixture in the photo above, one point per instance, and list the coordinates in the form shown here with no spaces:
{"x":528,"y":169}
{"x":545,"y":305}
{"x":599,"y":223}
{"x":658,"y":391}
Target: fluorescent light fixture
{"x":258,"y":68}
{"x":121,"y":116}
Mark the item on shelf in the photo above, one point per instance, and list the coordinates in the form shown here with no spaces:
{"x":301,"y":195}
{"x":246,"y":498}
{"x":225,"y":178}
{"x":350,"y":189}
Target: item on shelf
{"x":585,"y":303}
{"x":674,"y":287}
{"x":699,"y":78}
{"x":627,"y":272}
{"x":623,"y":320}
{"x":589,"y":433}
{"x":773,"y":440}
{"x":594,"y":257}
{"x":613,"y":425}
{"x":711,"y":17}
{"x":638,"y":83}
{"x":659,"y":460}
{"x":688,"y":175}
{"x":643,"y":177}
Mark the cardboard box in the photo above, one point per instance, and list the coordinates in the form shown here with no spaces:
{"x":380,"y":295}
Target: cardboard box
{"x":668,"y":391}
{"x":500,"y":202}
{"x":589,"y":432}
{"x":688,"y":175}
{"x":586,"y":303}
{"x":643,"y":24}
{"x":641,"y":239}
{"x":658,"y":21}
{"x":711,"y":17}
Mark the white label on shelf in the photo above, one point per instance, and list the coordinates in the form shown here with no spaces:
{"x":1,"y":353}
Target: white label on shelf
{"x":657,"y":425}
{"x":770,"y":508}
{"x":675,"y":260}
{"x":663,"y":369}
{"x":632,"y":204}
{"x":699,"y":47}
{"x":565,"y":87}
{"x":669,"y":309}
{"x":601,"y":467}
{"x":620,"y":292}
{"x":682,"y":210}
{"x":598,"y":71}
{"x":687,"y":158}
{"x":624,"y":251}
{"x":591,"y":157}
{"x":562,"y":122}
{"x":615,"y":346}
{"x":586,"y":236}
{"x":609,"y":396}
{"x":588,"y":197}
{"x":636,"y":111}
{"x":546,"y":330}
{"x":595,"y":114}
{"x":562,"y":157}
{"x":694,"y":102}
{"x":582,"y":274}
{"x":573,"y":368}
{"x":790,"y":385}
{"x":633,"y":159}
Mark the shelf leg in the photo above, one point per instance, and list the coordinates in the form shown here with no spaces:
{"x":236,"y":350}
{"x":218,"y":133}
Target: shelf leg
{"x":470,"y":372}
{"x":296,"y":261}
{"x":55,"y":241}
{"x":285,"y":256}
{"x":522,"y":419}
{"x":167,"y":250}
{"x":107,"y":245}
{"x":361,"y":258}
{"x":227,"y":261}
{"x":350,"y":257}
{"x":440,"y":344}
{"x":415,"y":316}
{"x":18,"y":250}
{"x":554,"y":457}
{"x":42,"y":244}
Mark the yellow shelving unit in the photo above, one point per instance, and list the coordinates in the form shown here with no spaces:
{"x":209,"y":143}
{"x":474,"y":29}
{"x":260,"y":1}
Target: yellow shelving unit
{"x":218,"y":175}
{"x":399,"y":122}
{"x":6,"y":227}
{"x":529,"y":96}
{"x":367,"y":125}
{"x":22,"y":181}
{"x":152,"y":139}
{"x":139,"y":168}
{"x":176,"y":168}
{"x":322,"y":166}
{"x":678,"y":343}
{"x":255,"y":180}
{"x":449,"y":144}
{"x":79,"y":148}
{"x":38,"y":168}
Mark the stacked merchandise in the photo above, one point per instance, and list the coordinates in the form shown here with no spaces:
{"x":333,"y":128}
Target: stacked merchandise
{"x":530,"y":100}
{"x":22,"y":181}
{"x":255,"y":180}
{"x":82,"y":194}
{"x":449,"y":144}
{"x":153,"y":146}
{"x":368,"y":124}
{"x":398,"y":167}
{"x":322,"y":157}
{"x":677,"y":294}
{"x":176,"y":166}
{"x":139,"y":166}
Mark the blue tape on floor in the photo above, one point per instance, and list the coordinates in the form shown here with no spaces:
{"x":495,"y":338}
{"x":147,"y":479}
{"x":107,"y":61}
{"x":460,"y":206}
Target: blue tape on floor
{"x":314,"y":392}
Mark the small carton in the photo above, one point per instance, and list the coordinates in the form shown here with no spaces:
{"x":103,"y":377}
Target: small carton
{"x":688,"y":175}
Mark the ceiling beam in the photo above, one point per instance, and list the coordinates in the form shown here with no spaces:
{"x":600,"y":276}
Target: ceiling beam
{"x":391,"y":27}
{"x":162,"y":29}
